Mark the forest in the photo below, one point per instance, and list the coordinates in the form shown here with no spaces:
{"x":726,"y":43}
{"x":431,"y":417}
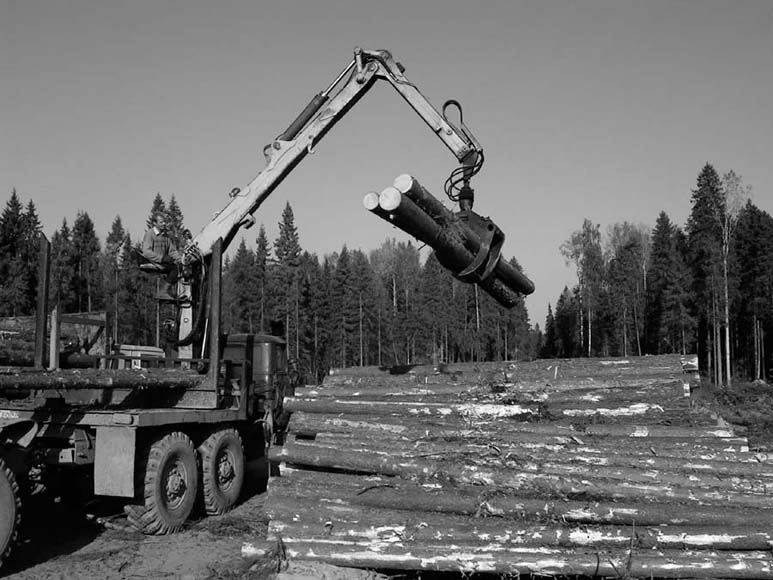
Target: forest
{"x":705,"y":287}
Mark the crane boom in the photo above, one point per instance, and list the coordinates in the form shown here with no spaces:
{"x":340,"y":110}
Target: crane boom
{"x":322,"y":113}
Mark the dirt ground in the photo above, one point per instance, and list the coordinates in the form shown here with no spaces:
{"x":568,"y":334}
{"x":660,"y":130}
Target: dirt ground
{"x":65,"y":542}
{"x":746,"y":406}
{"x":70,"y":542}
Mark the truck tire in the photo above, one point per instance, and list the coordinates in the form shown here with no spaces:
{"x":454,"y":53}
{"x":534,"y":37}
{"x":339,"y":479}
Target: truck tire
{"x":222,"y":470}
{"x":10,"y":510}
{"x":169,"y":485}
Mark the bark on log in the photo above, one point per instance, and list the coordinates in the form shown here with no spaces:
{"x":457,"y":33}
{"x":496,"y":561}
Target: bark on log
{"x":313,"y":423}
{"x":98,"y":378}
{"x":355,"y":407}
{"x":409,"y":187}
{"x":561,"y":562}
{"x":523,"y":448}
{"x":532,"y":484}
{"x":312,"y":519}
{"x":448,"y":238}
{"x":481,"y":459}
{"x":383,"y":492}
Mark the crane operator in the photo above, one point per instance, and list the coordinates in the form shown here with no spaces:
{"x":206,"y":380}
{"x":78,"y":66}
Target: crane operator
{"x":162,"y":256}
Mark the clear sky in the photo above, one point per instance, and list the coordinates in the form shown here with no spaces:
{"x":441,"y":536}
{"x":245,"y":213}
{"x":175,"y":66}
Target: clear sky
{"x":605,"y":109}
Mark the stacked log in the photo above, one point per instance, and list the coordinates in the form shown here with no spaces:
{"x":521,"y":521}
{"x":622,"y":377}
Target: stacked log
{"x":503,"y":477}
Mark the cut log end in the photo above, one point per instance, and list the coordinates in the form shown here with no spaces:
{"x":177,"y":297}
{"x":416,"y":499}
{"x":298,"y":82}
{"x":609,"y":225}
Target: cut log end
{"x":389,"y":199}
{"x":370,"y":201}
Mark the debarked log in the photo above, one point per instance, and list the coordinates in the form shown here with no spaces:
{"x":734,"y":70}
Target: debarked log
{"x":537,"y":450}
{"x":542,"y":561}
{"x":383,"y":492}
{"x":445,"y":457}
{"x":530,"y":448}
{"x":314,"y":519}
{"x":313,"y":423}
{"x":532,"y":484}
{"x":409,"y":409}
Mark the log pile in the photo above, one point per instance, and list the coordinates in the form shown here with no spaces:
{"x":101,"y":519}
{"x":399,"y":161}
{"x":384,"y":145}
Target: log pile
{"x":603,"y":468}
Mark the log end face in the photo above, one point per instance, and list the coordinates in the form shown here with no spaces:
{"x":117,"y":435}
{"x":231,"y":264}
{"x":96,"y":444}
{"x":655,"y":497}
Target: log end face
{"x":370,"y":201}
{"x":403,"y":182}
{"x":389,"y":199}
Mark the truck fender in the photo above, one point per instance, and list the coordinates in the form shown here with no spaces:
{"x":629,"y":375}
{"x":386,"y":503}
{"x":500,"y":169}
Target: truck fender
{"x":20,"y":433}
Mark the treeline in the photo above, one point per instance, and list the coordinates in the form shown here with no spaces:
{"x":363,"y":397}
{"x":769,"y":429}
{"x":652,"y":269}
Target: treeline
{"x":706,"y":288}
{"x":351,"y":308}
{"x":388,"y":307}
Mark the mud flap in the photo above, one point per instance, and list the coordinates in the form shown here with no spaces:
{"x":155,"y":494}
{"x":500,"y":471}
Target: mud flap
{"x":114,"y":461}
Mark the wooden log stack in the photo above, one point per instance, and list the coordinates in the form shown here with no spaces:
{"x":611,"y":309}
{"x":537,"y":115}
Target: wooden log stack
{"x":525,"y":473}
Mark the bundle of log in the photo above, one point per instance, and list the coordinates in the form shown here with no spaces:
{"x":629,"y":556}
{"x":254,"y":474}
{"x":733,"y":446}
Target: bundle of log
{"x":513,"y":469}
{"x":458,"y":247}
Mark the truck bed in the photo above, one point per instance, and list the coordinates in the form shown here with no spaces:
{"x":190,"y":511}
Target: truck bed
{"x":101,"y":391}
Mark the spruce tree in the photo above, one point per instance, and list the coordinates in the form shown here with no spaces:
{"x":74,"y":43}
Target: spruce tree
{"x":158,"y":205}
{"x":344,"y":312}
{"x":704,"y":242}
{"x":177,"y":232}
{"x":86,"y":248}
{"x":754,"y":305}
{"x":262,"y":255}
{"x":549,"y":347}
{"x":287,"y":250}
{"x":111,"y":262}
{"x":63,"y":280}
{"x":244,"y":304}
{"x":12,"y":271}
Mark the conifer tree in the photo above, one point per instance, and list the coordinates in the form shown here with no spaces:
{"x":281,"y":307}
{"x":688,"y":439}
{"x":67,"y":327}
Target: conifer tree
{"x":754,"y":305}
{"x":704,"y":240}
{"x":287,"y":250}
{"x":568,"y":342}
{"x":311,"y":309}
{"x":86,"y":248}
{"x":111,"y":262}
{"x":262,"y":255}
{"x":243,"y":305}
{"x":158,"y":205}
{"x":669,"y":326}
{"x":13,"y":284}
{"x":345,"y":312}
{"x":63,"y":282}
{"x":178,"y":233}
{"x":549,"y":349}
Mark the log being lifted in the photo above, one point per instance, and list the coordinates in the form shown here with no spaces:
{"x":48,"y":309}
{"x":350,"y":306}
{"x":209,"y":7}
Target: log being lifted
{"x":414,"y":210}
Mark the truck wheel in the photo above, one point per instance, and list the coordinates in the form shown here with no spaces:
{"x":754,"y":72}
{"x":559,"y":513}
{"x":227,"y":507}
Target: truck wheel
{"x":222,"y":470}
{"x":170,"y":486}
{"x":10,"y":510}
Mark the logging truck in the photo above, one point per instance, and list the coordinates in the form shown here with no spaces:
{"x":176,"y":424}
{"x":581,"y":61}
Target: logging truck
{"x":168,"y":433}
